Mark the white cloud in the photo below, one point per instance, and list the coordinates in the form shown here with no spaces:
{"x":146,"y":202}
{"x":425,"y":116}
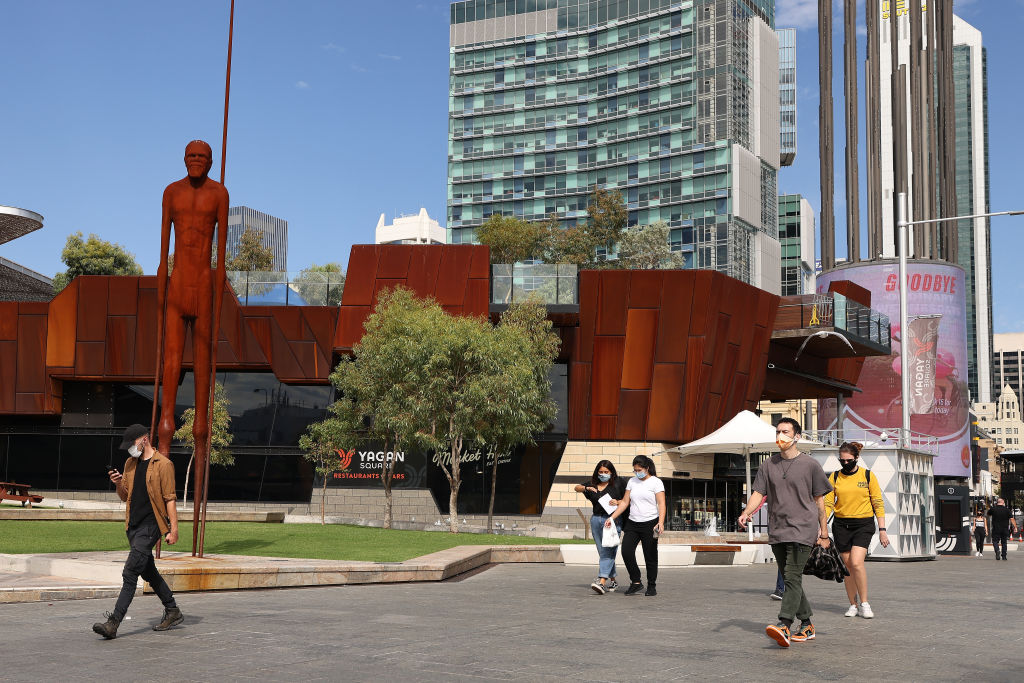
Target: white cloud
{"x":798,"y":14}
{"x":301,"y":85}
{"x":333,"y":47}
{"x":393,"y":58}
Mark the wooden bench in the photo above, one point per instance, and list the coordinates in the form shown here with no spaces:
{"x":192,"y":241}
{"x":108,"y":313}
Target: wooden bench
{"x":19,"y":492}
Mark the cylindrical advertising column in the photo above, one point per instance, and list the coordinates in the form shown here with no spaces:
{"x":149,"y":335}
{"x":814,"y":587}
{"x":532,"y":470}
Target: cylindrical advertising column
{"x":937,"y":348}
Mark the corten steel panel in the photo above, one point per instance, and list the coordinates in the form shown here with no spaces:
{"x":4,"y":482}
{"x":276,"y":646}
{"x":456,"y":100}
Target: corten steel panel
{"x":123,"y":296}
{"x":718,"y":349}
{"x":320,"y":322}
{"x":674,"y":322}
{"x":306,"y":357}
{"x":31,"y":354}
{"x":702,"y":293}
{"x":480,"y":265}
{"x":638,"y":358}
{"x":260,"y":329}
{"x":602,"y":427}
{"x":746,"y":338}
{"x":289,"y":320}
{"x":393,"y":261}
{"x":423,"y":268}
{"x":92,"y":308}
{"x":89,"y":361}
{"x":362,"y":268}
{"x":62,"y":319}
{"x":851,"y":290}
{"x":606,"y":374}
{"x":350,"y":326}
{"x":381,"y":285}
{"x":226,"y":358}
{"x":33,"y":307}
{"x":691,"y":401}
{"x":705,"y":417}
{"x":712,"y":415}
{"x":613,"y":295}
{"x":450,"y":289}
{"x":145,"y":329}
{"x":667,"y":391}
{"x":119,"y":351}
{"x":30,"y":403}
{"x":8,"y":374}
{"x":645,"y":288}
{"x":731,"y":379}
{"x":231,"y":321}
{"x":478,"y":294}
{"x":579,"y":400}
{"x":631,"y":421}
{"x":588,"y":314}
{"x":848,"y":369}
{"x":8,"y":320}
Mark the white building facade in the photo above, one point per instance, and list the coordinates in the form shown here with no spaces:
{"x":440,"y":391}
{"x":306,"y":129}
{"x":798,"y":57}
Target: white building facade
{"x":418,"y":228}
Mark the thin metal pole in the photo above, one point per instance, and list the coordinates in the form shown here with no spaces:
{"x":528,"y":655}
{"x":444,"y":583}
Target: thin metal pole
{"x":901,"y":226}
{"x":219,"y":297}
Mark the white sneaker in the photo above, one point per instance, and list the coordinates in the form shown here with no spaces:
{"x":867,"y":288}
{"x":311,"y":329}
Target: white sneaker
{"x":865,"y":611}
{"x":852,"y":611}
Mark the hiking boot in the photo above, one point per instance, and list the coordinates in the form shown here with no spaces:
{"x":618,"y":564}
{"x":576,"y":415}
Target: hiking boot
{"x":598,"y":587}
{"x":634,"y":588}
{"x":172,"y":617}
{"x":804,"y":633}
{"x":610,"y":585}
{"x":779,"y":633}
{"x":650,"y":590}
{"x":108,"y":628}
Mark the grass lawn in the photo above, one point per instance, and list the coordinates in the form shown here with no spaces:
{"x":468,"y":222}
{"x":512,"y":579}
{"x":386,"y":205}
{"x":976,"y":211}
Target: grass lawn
{"x":330,"y":542}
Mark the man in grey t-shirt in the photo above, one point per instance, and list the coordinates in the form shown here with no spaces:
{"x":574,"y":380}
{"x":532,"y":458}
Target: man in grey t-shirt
{"x":795,"y":486}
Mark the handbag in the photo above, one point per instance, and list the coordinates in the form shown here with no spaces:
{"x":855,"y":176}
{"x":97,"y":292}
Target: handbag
{"x":610,"y":536}
{"x":825,"y":563}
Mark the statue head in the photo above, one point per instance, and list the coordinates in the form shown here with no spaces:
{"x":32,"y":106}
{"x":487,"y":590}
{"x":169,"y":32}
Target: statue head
{"x":198,"y":159}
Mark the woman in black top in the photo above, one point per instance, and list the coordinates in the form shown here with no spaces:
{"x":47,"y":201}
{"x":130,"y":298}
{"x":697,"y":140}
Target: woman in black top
{"x":603,"y":481}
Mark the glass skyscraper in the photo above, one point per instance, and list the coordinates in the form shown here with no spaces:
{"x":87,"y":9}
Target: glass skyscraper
{"x":796,"y":236}
{"x":673,"y":104}
{"x":787,"y":95}
{"x":273,"y":229}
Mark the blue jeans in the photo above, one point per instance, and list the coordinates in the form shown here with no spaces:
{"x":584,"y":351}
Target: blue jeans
{"x":606,"y":564}
{"x":780,"y":584}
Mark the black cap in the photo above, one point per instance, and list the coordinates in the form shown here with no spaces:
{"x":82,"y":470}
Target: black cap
{"x":131,"y":435}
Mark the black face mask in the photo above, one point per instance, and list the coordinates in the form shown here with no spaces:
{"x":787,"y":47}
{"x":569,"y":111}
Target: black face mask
{"x":849,"y":467}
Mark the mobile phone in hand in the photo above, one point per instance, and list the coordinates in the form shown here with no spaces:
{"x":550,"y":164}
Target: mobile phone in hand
{"x":111,"y":468}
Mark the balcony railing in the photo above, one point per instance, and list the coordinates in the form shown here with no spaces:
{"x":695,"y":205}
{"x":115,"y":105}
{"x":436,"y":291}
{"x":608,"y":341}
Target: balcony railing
{"x":833,"y":310}
{"x":304,"y":288}
{"x":552,"y":284}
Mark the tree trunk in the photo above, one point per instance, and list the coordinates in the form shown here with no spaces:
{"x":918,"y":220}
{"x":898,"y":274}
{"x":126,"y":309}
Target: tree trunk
{"x":456,"y":481}
{"x":494,"y":485}
{"x":323,"y":501}
{"x":188,"y":470}
{"x":386,"y":474}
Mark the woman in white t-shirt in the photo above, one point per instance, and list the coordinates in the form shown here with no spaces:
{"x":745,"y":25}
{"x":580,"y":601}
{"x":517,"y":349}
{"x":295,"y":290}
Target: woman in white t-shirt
{"x":645,"y":499}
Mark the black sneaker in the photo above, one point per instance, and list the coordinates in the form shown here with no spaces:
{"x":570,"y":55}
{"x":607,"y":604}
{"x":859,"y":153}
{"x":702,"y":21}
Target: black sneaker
{"x":598,"y":587}
{"x":108,"y":628}
{"x":779,"y":633}
{"x":634,"y":588}
{"x":650,"y":590}
{"x":172,"y":617}
{"x":610,"y":585}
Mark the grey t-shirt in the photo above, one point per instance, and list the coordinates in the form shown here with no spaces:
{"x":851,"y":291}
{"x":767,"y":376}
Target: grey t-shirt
{"x":791,"y":486}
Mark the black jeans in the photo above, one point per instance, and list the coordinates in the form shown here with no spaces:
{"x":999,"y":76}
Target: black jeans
{"x":140,"y":563}
{"x":999,"y":538}
{"x":642,"y":533}
{"x":979,"y":540}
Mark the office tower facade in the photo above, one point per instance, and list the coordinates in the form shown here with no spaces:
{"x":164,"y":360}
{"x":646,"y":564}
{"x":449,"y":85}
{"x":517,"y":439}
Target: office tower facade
{"x":418,"y":228}
{"x":675,"y":105}
{"x":974,"y":252}
{"x":1008,"y":361}
{"x":787,"y":96}
{"x":796,"y":237}
{"x":274,"y":231}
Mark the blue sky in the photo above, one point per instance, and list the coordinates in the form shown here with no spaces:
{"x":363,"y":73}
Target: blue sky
{"x":338,"y":113}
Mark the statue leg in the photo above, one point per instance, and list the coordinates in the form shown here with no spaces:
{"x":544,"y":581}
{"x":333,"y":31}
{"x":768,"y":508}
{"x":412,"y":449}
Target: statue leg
{"x":201,"y":374}
{"x":174,"y":345}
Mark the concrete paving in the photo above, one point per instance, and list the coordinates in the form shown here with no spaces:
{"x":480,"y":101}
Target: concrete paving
{"x":951,"y":619}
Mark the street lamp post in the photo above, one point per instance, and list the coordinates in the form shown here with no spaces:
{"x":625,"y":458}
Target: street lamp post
{"x":902,"y":224}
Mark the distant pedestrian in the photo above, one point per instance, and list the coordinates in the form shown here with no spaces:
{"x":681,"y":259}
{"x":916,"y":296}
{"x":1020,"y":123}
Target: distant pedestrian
{"x":979,"y":525}
{"x":999,"y":527}
{"x":645,"y":500}
{"x":604,"y":482}
{"x":856,"y":500}
{"x":796,"y":486}
{"x":147,"y":488}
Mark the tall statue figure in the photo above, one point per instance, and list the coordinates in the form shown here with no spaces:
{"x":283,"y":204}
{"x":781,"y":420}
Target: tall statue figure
{"x":194,"y":206}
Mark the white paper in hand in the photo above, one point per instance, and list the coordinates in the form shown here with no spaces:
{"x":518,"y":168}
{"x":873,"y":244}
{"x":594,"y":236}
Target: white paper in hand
{"x":606,"y":503}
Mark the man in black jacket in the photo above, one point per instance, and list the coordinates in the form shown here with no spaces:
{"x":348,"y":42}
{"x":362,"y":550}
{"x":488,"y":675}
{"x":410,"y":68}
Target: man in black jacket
{"x":1000,"y":523}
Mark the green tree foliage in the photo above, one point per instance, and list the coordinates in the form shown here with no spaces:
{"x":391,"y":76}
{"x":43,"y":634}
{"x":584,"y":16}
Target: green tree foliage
{"x":93,"y":256}
{"x":220,"y":433}
{"x":251,"y":254}
{"x":379,"y":389}
{"x":646,"y":247}
{"x":607,"y":214}
{"x":318,"y":448}
{"x":321,"y":285}
{"x":511,"y":239}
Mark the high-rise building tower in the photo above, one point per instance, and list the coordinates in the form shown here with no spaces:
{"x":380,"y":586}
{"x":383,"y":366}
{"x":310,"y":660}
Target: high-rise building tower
{"x":787,"y":95}
{"x":796,"y":236}
{"x":274,"y":230}
{"x":675,"y":105}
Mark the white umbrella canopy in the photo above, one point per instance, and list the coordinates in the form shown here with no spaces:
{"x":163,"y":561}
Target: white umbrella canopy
{"x":744,"y":434}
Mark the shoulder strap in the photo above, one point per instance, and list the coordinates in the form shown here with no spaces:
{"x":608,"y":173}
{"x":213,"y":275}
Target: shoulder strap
{"x":867,"y":475}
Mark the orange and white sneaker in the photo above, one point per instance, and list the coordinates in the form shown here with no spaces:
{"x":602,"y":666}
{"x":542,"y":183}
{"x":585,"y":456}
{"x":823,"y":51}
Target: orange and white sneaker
{"x":779,"y":633}
{"x":804,"y":633}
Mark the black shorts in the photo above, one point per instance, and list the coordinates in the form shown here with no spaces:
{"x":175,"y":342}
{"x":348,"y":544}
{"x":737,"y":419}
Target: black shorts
{"x":852,"y":531}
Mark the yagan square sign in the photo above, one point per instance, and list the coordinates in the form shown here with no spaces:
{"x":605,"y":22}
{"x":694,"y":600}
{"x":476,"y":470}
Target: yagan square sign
{"x":937,"y":348}
{"x":363,"y":467}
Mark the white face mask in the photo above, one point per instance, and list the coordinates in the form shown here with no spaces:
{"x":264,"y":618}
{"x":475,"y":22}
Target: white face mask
{"x":134,"y":451}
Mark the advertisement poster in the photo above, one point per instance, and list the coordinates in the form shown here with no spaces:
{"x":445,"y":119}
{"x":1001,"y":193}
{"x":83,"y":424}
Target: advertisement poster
{"x":936,"y":306}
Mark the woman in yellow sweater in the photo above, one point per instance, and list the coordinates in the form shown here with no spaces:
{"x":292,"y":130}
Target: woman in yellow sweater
{"x":856,"y":499}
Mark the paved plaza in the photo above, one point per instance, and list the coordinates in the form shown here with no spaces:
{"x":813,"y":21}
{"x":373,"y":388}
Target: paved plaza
{"x":951,"y":619}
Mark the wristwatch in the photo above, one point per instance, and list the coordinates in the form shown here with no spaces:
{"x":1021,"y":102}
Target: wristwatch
{"x":881,"y":528}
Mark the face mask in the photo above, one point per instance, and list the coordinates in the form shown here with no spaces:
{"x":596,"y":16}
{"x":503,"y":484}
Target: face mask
{"x":849,"y":467}
{"x":640,"y":475}
{"x":134,"y":451}
{"x":604,"y":477}
{"x":783,"y":441}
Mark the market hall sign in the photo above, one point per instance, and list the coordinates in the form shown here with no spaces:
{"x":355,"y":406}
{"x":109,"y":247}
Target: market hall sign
{"x":361,"y":467}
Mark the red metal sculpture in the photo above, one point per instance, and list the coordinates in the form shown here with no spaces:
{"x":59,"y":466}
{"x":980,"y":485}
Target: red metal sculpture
{"x":195,"y":206}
